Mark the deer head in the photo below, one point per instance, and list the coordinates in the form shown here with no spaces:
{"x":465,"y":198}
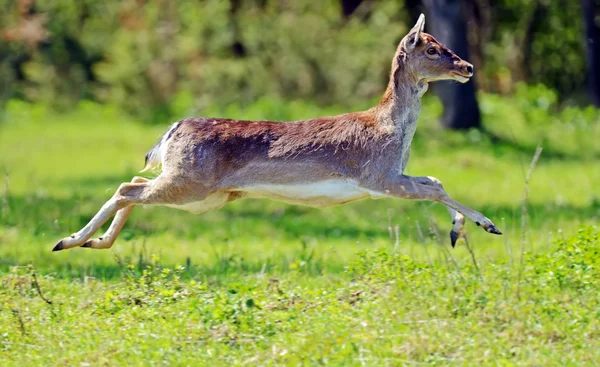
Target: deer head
{"x":424,"y":59}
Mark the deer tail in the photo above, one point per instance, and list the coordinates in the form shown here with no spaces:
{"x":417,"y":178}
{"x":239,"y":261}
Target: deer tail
{"x":155,"y":155}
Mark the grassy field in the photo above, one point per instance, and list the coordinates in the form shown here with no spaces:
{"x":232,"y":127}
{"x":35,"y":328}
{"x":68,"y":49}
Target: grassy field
{"x":372,"y":283}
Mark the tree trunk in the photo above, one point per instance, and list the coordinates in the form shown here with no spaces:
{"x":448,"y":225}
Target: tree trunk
{"x":446,"y":21}
{"x":591,"y":8}
{"x":237,"y":47}
{"x":349,"y":6}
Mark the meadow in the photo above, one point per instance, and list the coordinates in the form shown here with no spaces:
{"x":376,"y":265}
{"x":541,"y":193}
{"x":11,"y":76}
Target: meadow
{"x":371,"y":283}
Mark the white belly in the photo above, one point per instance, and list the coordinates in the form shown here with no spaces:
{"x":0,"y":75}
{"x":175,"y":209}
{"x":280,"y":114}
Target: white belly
{"x":317,"y":194}
{"x":212,"y":202}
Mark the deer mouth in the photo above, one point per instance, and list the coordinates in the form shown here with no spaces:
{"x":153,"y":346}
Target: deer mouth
{"x":461,"y":77}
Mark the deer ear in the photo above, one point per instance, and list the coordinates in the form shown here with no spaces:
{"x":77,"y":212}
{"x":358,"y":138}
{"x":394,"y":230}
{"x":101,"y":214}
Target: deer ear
{"x":415,"y":32}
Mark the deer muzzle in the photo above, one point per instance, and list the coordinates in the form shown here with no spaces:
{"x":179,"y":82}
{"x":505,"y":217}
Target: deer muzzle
{"x":463,"y":71}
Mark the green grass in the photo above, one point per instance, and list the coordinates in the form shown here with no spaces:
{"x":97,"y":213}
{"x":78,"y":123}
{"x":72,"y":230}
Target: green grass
{"x":264,"y":283}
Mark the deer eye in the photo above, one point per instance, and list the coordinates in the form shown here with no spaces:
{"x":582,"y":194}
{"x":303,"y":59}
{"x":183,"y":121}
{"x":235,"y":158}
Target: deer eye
{"x":431,"y":51}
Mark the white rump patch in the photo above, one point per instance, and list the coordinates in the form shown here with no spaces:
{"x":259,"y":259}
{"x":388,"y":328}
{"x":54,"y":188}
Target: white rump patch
{"x":156,"y":155}
{"x":165,"y":141}
{"x":212,"y":202}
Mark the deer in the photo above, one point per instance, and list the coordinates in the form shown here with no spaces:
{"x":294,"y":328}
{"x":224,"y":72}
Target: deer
{"x":209,"y":162}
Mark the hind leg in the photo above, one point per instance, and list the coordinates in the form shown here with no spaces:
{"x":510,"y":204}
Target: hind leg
{"x":108,"y":238}
{"x":162,"y":190}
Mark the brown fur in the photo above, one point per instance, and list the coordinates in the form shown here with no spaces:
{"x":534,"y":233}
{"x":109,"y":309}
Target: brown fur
{"x":210,"y":161}
{"x":218,"y":150}
{"x":352,"y":130}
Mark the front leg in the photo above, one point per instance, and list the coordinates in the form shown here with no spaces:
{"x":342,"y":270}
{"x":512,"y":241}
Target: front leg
{"x":430,"y":188}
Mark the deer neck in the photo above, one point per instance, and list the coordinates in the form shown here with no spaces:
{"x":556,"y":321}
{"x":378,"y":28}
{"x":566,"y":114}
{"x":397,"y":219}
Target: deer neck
{"x":401,"y":103}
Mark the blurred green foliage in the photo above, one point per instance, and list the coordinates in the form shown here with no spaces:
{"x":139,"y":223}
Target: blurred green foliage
{"x":532,"y":116}
{"x":160,"y":58}
{"x":152,"y":56}
{"x":537,"y":41}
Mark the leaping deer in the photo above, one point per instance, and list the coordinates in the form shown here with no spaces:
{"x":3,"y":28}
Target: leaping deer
{"x":208,"y":162}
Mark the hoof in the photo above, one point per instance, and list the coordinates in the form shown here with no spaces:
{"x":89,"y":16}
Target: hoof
{"x":493,"y":229}
{"x":453,"y":238}
{"x":59,"y":246}
{"x":87,"y":244}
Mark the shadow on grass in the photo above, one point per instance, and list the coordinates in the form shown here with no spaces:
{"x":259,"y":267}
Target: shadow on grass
{"x":222,"y":269}
{"x":57,"y":216}
{"x":367,"y":220}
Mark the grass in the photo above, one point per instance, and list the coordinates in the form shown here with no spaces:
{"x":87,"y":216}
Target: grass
{"x":263,"y":283}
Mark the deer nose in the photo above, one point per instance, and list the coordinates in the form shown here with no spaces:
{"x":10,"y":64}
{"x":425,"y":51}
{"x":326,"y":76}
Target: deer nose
{"x":469,"y":69}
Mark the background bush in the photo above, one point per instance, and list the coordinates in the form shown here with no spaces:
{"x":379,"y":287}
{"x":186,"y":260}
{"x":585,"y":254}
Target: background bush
{"x":158,"y":58}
